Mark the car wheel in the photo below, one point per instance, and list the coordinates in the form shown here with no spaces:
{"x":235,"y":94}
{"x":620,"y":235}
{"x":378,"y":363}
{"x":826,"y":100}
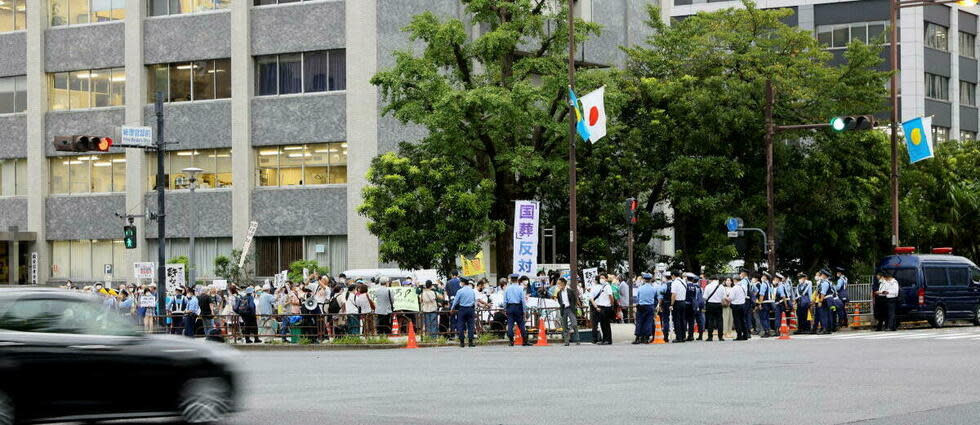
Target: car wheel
{"x":938,"y":317}
{"x":205,"y":400}
{"x":6,"y":409}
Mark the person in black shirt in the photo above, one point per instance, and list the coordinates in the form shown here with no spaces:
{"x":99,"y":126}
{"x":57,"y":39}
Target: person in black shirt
{"x":204,"y":300}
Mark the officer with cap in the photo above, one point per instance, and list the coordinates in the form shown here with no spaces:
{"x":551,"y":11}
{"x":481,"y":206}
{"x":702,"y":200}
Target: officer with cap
{"x":515,"y":303}
{"x":678,"y":305}
{"x":804,"y":297}
{"x":840,"y":286}
{"x":663,"y":302}
{"x":784,"y":300}
{"x":766,"y":298}
{"x":749,"y":306}
{"x":646,"y":297}
{"x":465,"y":303}
{"x":695,"y":299}
{"x":824,"y":301}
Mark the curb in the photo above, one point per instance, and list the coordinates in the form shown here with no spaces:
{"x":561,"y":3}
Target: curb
{"x":351,"y":347}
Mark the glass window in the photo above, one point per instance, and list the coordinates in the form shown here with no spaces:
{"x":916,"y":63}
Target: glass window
{"x":338,"y":163}
{"x":88,"y":174}
{"x":180,"y":82}
{"x":118,"y":172}
{"x":290,"y":73}
{"x":222,"y":167}
{"x":100,"y":87}
{"x":20,"y":94}
{"x":268,"y":159}
{"x":825,"y":35}
{"x":967,"y":135}
{"x":101,"y":255}
{"x":7,"y":95}
{"x":841,"y":36}
{"x":203,"y":79}
{"x":60,"y":259}
{"x":875,"y":31}
{"x":6,"y":18}
{"x":158,"y":7}
{"x":159,"y":81}
{"x":936,"y":36}
{"x":959,"y":276}
{"x":940,"y":134}
{"x":968,"y":93}
{"x":937,"y":86}
{"x":108,"y":10}
{"x":968,"y":45}
{"x":338,"y":69}
{"x":20,"y":177}
{"x":58,"y":92}
{"x":291,"y":165}
{"x":222,"y":78}
{"x":175,"y":7}
{"x":859,"y":32}
{"x":101,"y":174}
{"x":317,"y":160}
{"x":81,"y":258}
{"x":59,"y":174}
{"x":315,"y":72}
{"x":178,"y":162}
{"x":313,"y":164}
{"x":215,"y":163}
{"x":267,"y":75}
{"x":79,"y":174}
{"x":78,"y":12}
{"x":79,"y":90}
{"x":85,"y":89}
{"x":935,"y":276}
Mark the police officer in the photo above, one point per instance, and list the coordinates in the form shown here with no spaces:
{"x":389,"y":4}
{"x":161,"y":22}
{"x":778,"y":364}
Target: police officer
{"x":604,"y":300}
{"x":694,"y":300}
{"x":749,"y":305}
{"x":766,"y":298}
{"x":663,"y":302}
{"x":515,"y":303}
{"x":465,"y":305}
{"x":804,"y":293}
{"x":841,"y":288}
{"x":824,"y":301}
{"x":646,"y":296}
{"x":713,"y":300}
{"x":783,"y":294}
{"x":678,"y":305}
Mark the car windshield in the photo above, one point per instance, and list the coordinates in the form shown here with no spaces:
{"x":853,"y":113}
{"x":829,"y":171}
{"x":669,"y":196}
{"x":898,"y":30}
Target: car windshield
{"x":906,"y":276}
{"x":65,"y":315}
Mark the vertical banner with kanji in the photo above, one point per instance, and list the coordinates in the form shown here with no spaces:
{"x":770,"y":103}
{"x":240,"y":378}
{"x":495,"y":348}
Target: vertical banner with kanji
{"x":526,"y":215}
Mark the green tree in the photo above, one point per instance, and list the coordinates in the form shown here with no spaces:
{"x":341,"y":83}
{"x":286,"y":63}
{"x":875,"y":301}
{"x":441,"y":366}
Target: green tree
{"x":695,"y":100}
{"x":227,"y":269}
{"x":427,"y":210}
{"x":494,"y":105}
{"x":295,"y":273}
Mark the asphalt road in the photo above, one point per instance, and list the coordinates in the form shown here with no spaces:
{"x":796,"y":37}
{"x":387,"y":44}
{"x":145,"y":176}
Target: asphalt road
{"x":913,"y":376}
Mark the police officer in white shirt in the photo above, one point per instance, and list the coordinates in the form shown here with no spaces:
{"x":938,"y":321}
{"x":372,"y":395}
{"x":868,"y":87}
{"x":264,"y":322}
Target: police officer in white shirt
{"x":737,"y":299}
{"x":602,"y":301}
{"x":714,"y":295}
{"x":889,"y":289}
{"x":678,"y":305}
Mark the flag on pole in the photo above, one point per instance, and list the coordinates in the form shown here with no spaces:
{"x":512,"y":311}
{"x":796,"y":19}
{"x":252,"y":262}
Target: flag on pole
{"x":594,"y":108}
{"x":583,"y":131}
{"x":918,"y":134}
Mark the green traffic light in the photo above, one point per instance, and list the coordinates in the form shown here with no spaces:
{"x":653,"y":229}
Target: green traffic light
{"x":837,"y":124}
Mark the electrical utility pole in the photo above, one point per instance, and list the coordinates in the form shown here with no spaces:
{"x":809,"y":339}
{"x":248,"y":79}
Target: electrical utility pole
{"x":770,"y":190}
{"x":161,"y":212}
{"x":572,"y":211}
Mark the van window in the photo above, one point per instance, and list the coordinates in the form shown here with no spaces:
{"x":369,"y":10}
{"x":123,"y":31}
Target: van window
{"x":975,"y":274}
{"x":959,"y":276}
{"x":906,"y":277}
{"x":935,"y":276}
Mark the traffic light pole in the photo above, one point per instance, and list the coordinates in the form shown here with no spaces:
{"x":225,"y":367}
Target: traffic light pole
{"x":572,"y":213}
{"x":161,"y":213}
{"x":770,"y":189}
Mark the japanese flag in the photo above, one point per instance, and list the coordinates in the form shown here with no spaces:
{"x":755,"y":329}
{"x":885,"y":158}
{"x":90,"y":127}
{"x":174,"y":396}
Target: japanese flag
{"x":594,"y":109}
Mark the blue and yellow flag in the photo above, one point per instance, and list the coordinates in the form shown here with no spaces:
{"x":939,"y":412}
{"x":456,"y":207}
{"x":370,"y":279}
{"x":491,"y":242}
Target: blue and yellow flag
{"x":918,"y":137}
{"x":583,"y":130}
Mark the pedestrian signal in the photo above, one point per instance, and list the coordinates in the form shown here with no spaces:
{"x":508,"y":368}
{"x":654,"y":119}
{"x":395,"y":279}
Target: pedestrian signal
{"x":129,"y":237}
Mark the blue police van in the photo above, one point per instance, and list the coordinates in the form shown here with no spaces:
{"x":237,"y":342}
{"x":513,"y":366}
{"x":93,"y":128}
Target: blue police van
{"x":937,"y":287}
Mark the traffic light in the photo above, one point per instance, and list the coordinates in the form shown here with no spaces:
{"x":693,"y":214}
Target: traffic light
{"x":631,"y":207}
{"x":853,"y":122}
{"x":129,"y":237}
{"x":82,"y":143}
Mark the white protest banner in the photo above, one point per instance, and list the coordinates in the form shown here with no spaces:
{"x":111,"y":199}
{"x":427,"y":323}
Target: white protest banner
{"x":148,"y":301}
{"x":248,"y":242}
{"x":175,"y":277}
{"x":526,"y":237}
{"x":220,"y":285}
{"x":405,"y":298}
{"x":590,"y":276}
{"x":306,"y":274}
{"x":144,"y":270}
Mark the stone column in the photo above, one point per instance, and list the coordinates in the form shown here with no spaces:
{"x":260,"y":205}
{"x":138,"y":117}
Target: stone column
{"x":242,"y":155}
{"x":37,"y":161}
{"x":136,"y":164}
{"x":954,"y":73}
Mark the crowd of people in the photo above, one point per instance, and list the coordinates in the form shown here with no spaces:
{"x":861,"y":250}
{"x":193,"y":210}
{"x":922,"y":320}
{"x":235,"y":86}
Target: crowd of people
{"x":322,"y":307}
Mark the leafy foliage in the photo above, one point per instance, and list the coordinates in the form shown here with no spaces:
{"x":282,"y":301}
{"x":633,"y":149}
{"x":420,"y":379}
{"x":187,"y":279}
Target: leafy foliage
{"x":227,"y":268}
{"x":295,"y":273}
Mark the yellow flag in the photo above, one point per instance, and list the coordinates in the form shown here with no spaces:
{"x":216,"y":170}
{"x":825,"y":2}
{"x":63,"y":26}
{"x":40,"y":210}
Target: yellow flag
{"x":473,"y":267}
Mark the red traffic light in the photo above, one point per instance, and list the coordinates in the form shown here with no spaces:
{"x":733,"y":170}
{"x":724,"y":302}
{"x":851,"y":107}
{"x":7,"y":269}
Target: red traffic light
{"x":103,"y":144}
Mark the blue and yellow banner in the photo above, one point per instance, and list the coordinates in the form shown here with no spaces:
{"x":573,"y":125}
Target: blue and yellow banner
{"x":918,"y":137}
{"x":583,"y":130}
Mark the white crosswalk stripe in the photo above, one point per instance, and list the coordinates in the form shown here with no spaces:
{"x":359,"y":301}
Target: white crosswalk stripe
{"x":961,"y":334}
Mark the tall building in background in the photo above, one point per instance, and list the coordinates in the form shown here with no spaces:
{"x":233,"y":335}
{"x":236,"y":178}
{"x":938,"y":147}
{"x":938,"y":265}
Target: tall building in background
{"x":271,"y":99}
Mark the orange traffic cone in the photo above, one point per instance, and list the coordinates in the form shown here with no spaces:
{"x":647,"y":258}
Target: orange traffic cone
{"x":857,"y":316}
{"x":542,"y":334}
{"x":783,"y":328}
{"x":518,"y":339}
{"x":411,"y":336}
{"x":793,"y":324}
{"x":696,"y":329}
{"x":658,"y":333}
{"x":395,"y":327}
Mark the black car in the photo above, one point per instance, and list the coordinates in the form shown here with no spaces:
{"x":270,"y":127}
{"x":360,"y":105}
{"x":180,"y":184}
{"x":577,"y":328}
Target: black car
{"x":66,"y":357}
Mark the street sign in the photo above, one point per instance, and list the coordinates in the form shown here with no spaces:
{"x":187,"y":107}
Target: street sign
{"x":248,"y":242}
{"x":733,"y":234}
{"x":107,"y":269}
{"x":136,"y":137}
{"x":733,"y":223}
{"x":34,"y":268}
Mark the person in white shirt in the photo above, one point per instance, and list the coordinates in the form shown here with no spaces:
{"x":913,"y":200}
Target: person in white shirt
{"x":602,"y":301}
{"x":714,"y":295}
{"x":737,"y":299}
{"x":678,"y":305}
{"x":889,"y":289}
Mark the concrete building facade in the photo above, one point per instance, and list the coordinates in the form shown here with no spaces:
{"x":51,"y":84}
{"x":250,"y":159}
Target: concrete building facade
{"x":270,"y":98}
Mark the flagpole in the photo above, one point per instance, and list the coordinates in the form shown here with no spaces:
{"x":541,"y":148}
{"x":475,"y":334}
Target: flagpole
{"x":572,"y":212}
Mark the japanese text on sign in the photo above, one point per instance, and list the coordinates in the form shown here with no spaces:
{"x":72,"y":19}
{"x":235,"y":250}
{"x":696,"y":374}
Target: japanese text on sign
{"x":526,"y":215}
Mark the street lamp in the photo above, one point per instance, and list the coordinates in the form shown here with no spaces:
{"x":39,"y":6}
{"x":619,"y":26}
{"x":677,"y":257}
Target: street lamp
{"x":192,"y":173}
{"x":894,"y":7}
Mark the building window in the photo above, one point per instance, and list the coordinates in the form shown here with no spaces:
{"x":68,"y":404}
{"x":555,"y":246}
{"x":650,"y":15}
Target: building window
{"x":838,"y":36}
{"x":937,"y":86}
{"x":174,"y":7}
{"x":940,"y":134}
{"x":84,"y":259}
{"x":187,"y":81}
{"x":309,"y":72}
{"x":274,"y":254}
{"x":97,"y":88}
{"x":216,"y":164}
{"x":13,"y":15}
{"x":968,"y":45}
{"x":16,"y":186}
{"x":937,"y":36}
{"x":13,"y":94}
{"x":968,"y":93}
{"x":75,"y":12}
{"x":966,"y":135}
{"x":205,"y":251}
{"x":88,"y":174}
{"x":297,"y":165}
{"x":270,"y":2}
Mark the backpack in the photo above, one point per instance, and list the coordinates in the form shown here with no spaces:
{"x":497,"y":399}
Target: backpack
{"x":241,"y":306}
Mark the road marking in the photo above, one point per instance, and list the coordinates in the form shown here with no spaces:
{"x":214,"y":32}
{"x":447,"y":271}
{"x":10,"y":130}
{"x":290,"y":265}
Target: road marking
{"x":958,"y":336}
